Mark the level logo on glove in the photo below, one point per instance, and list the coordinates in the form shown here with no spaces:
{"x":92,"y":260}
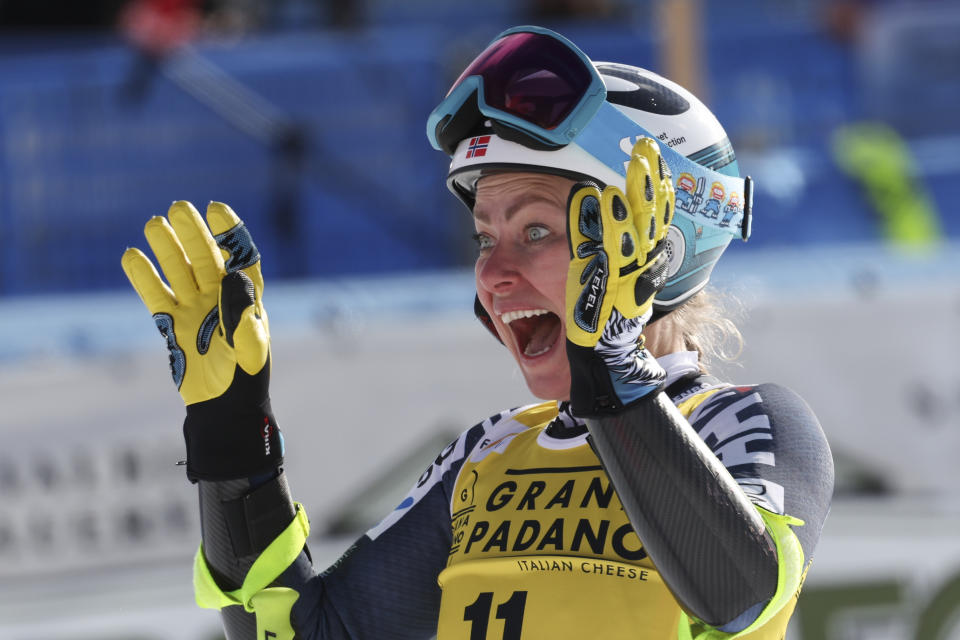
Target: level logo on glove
{"x":617,"y":265}
{"x":217,"y":334}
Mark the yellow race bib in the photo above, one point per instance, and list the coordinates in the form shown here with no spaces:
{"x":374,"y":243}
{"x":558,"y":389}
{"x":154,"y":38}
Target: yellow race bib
{"x":542,"y":547}
{"x":556,"y":597}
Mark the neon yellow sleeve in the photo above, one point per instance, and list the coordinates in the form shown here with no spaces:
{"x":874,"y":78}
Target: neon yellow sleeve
{"x":271,"y":605}
{"x":771,"y":624}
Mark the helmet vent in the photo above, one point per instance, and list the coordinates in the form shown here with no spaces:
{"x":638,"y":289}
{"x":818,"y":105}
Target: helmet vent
{"x":648,"y":94}
{"x":675,"y":247}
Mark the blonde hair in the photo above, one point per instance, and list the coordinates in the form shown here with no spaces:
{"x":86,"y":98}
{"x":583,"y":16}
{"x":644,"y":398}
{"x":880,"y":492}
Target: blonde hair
{"x":703,"y":324}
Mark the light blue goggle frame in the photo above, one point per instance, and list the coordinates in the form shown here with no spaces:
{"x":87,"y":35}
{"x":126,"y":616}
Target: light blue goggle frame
{"x":561,"y":135}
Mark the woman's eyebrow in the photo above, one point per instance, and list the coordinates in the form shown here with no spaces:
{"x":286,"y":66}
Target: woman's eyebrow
{"x":521,"y":202}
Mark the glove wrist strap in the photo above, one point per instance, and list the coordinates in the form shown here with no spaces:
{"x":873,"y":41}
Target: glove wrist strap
{"x":234,"y":435}
{"x":597,"y":391}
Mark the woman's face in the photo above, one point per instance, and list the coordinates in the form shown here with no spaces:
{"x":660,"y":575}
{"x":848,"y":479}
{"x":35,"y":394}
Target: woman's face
{"x":521,"y":272}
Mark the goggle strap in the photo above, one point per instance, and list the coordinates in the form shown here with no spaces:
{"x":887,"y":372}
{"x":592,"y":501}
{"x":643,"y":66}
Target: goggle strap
{"x":612,"y":124}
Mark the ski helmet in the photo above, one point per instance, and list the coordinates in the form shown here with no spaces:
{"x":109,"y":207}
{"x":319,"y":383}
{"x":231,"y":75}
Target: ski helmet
{"x":712,"y":204}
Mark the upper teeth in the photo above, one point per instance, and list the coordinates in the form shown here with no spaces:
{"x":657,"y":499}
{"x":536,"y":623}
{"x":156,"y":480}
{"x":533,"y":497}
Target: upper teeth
{"x":510,"y":316}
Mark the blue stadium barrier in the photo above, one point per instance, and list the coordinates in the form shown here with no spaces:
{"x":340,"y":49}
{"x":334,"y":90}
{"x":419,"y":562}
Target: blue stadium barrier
{"x":86,"y":163}
{"x":324,"y":153}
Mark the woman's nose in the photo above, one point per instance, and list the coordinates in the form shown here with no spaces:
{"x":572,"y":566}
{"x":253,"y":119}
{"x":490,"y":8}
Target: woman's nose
{"x":499,"y":270}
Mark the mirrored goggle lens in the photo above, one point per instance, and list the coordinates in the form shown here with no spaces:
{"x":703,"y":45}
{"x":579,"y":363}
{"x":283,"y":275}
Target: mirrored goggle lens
{"x":532,"y":76}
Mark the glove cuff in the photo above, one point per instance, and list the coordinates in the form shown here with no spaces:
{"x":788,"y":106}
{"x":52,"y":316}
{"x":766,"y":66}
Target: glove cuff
{"x":233,"y":435}
{"x":595,"y":391}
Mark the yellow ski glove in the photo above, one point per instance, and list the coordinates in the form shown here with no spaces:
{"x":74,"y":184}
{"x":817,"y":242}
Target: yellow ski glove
{"x":217,"y":334}
{"x":617,"y":266}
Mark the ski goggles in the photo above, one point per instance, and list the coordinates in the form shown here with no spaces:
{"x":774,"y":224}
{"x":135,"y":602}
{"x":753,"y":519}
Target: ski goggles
{"x":531,"y":83}
{"x":536,"y":88}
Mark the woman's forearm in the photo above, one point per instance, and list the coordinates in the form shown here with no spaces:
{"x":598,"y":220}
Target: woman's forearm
{"x":705,"y":537}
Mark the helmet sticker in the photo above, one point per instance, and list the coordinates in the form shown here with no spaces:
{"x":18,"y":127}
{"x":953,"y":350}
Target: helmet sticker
{"x":711,"y":209}
{"x":689,"y":192}
{"x":478,"y":146}
{"x":690,"y":197}
{"x":732,"y":208}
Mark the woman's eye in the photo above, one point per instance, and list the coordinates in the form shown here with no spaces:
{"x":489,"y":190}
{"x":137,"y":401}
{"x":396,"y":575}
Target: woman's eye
{"x":483,"y":241}
{"x":536,"y":233}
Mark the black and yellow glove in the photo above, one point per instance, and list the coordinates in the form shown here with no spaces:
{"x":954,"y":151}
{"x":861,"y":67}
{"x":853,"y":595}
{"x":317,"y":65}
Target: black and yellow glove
{"x":217,"y":334}
{"x":617,"y":265}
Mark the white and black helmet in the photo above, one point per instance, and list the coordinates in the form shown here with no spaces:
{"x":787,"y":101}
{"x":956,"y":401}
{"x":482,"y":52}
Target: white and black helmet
{"x":711,"y":209}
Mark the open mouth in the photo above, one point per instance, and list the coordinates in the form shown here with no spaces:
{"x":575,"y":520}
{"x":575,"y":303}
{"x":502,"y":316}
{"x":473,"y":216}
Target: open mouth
{"x":535,"y":330}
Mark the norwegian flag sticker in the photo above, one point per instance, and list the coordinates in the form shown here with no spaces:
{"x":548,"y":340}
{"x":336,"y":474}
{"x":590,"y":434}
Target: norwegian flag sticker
{"x":478,"y":146}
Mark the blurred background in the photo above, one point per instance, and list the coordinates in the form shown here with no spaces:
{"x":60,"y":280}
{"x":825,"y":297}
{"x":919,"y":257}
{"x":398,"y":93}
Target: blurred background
{"x":308,"y":117}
